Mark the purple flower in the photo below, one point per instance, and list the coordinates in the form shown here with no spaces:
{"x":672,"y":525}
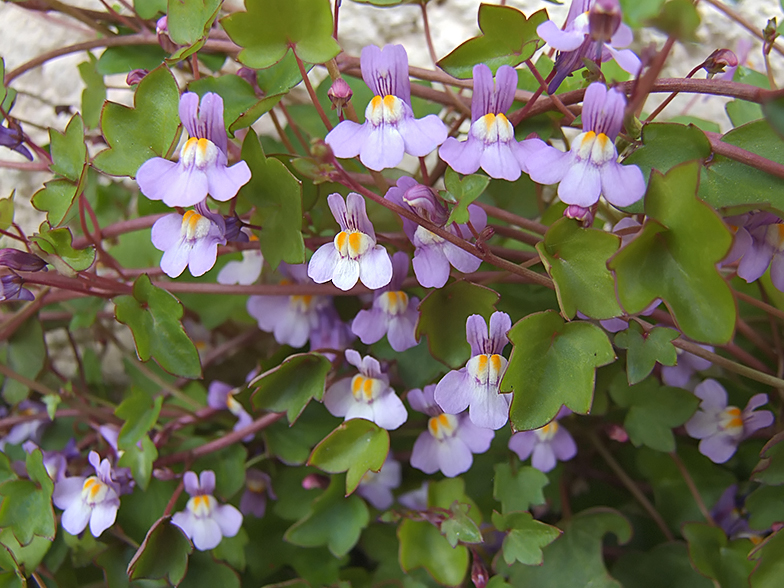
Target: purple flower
{"x":727,"y":513}
{"x":450,"y":440}
{"x":688,"y":364}
{"x":189,"y":239}
{"x":546,"y":445}
{"x":339,"y":94}
{"x":593,"y":30}
{"x":244,"y":272}
{"x":92,"y":500}
{"x":393,"y":314}
{"x":415,"y":499}
{"x":354,"y":254}
{"x":204,"y":521}
{"x":591,"y":169}
{"x":27,"y":430}
{"x":55,"y":462}
{"x":390,"y":129}
{"x":12,"y":138}
{"x":491,"y":144}
{"x":258,"y":488}
{"x":331,"y":332}
{"x":476,"y":386}
{"x":367,"y":395}
{"x":376,"y":487}
{"x":434,"y":255}
{"x":720,"y":427}
{"x":21,"y":260}
{"x":759,"y":243}
{"x":203,"y":165}
{"x":11,"y":288}
{"x":220,"y":396}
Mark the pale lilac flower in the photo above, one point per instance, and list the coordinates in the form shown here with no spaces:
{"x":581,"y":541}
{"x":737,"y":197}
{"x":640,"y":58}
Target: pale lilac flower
{"x":393,"y":314}
{"x":727,"y":513}
{"x":27,"y":430}
{"x":476,"y":386}
{"x":331,"y":332}
{"x":204,"y":521}
{"x":244,"y":272}
{"x":92,"y":500}
{"x":687,"y":365}
{"x":415,"y":499}
{"x":546,"y":445}
{"x":258,"y":488}
{"x":367,"y":395}
{"x":450,"y":440}
{"x":593,"y":30}
{"x":354,"y":254}
{"x":759,"y":243}
{"x":55,"y":462}
{"x":434,"y":255}
{"x":720,"y":427}
{"x":21,"y":261}
{"x":220,"y":396}
{"x":491,"y":143}
{"x":11,"y":288}
{"x":376,"y":487}
{"x":189,"y":240}
{"x":591,"y":169}
{"x":203,"y":164}
{"x":390,"y":129}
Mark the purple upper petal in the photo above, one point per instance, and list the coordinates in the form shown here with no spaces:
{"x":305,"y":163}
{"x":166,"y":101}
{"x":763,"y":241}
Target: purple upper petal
{"x":558,"y":39}
{"x":207,"y":482}
{"x":712,"y":394}
{"x":385,"y":71}
{"x":603,"y":110}
{"x":490,"y":97}
{"x":356,"y":214}
{"x":424,"y":400}
{"x":476,"y":334}
{"x":500,"y":324}
{"x":191,"y":482}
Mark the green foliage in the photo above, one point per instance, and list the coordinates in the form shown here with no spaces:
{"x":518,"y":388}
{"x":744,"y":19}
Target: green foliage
{"x":356,"y":447}
{"x":26,"y":506}
{"x":140,"y":461}
{"x":241,"y":106}
{"x":149,"y":8}
{"x":464,"y":192}
{"x":190,"y":20}
{"x":22,"y":560}
{"x":7,"y":211}
{"x":442,"y":319}
{"x":654,"y":411}
{"x":148,"y":129}
{"x":774,"y":114}
{"x":770,"y":469}
{"x":553,"y":363}
{"x":140,"y":412}
{"x":518,"y":489}
{"x":526,"y":537}
{"x":163,"y":554}
{"x":576,"y":259}
{"x":678,"y":19}
{"x":667,"y":564}
{"x":270,"y":27}
{"x":645,"y":348}
{"x":153,"y":316}
{"x":94,"y":92}
{"x":292,"y":444}
{"x":459,"y":527}
{"x":56,"y":247}
{"x":718,"y":558}
{"x":277,"y":196}
{"x":508,"y":38}
{"x":25,"y":355}
{"x":765,"y":507}
{"x":290,"y":386}
{"x":674,"y":258}
{"x":770,"y":562}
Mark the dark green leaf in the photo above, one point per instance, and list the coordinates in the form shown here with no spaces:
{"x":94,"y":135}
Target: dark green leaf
{"x":27,"y":558}
{"x":356,"y":447}
{"x":770,"y":469}
{"x":27,"y":504}
{"x":770,"y":562}
{"x":765,"y":506}
{"x":716,"y":557}
{"x":290,"y":386}
{"x":679,"y":19}
{"x":140,"y":460}
{"x":94,"y":92}
{"x":520,"y":489}
{"x":149,"y":8}
{"x":553,"y":363}
{"x":56,"y":199}
{"x":124,"y":59}
{"x":190,"y":20}
{"x":526,"y":537}
{"x":140,"y":412}
{"x":55,"y":246}
{"x":232,"y":550}
{"x":163,"y":553}
{"x":229,"y":467}
{"x":292,"y":444}
{"x":774,"y":113}
{"x":459,"y":527}
{"x":69,"y":152}
{"x":205,"y":572}
{"x":666,"y":564}
{"x":644,"y":349}
{"x":26,"y":356}
{"x":464,"y":192}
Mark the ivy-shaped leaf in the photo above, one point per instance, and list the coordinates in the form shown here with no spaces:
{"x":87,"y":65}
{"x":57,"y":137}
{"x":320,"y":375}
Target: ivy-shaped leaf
{"x":576,"y":259}
{"x":56,"y":247}
{"x":644,"y":349}
{"x":153,"y":316}
{"x":140,"y":412}
{"x":189,"y":21}
{"x":520,"y":489}
{"x":94,"y":93}
{"x":140,"y":461}
{"x":718,"y":558}
{"x":7,"y":211}
{"x":356,"y":447}
{"x":526,"y":537}
{"x":674,"y":258}
{"x":163,"y":554}
{"x":769,"y":556}
{"x":459,"y":527}
{"x":765,"y":507}
{"x":290,"y":386}
{"x":667,"y":564}
{"x":770,"y":469}
{"x":463,"y":192}
{"x":27,"y":504}
{"x":270,"y":28}
{"x":553,"y":363}
{"x":508,"y":38}
{"x":147,"y":130}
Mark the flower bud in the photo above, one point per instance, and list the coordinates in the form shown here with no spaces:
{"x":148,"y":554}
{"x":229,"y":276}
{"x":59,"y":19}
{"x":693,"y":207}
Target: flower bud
{"x":164,"y":40}
{"x":604,"y":19}
{"x":718,"y":60}
{"x":426,"y":204}
{"x":479,"y":575}
{"x":11,"y":288}
{"x":321,"y":152}
{"x":135,"y":76}
{"x":21,"y":260}
{"x":339,"y":94}
{"x":312,"y":481}
{"x":584,"y":215}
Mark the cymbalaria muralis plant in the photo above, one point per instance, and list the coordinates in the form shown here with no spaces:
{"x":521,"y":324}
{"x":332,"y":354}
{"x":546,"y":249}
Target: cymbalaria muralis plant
{"x":303,"y":312}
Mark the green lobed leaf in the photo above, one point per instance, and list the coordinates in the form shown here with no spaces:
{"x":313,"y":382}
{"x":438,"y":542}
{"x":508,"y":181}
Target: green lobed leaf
{"x":140,"y":461}
{"x":765,"y":506}
{"x":277,"y":196}
{"x":674,"y":258}
{"x":190,"y":20}
{"x":334,"y":520}
{"x":645,"y":348}
{"x":576,"y":259}
{"x":27,"y":504}
{"x":774,"y":114}
{"x":147,"y":130}
{"x":232,"y":550}
{"x":270,"y":27}
{"x":56,"y":247}
{"x":290,"y":386}
{"x":718,"y":558}
{"x":149,"y":8}
{"x":463,"y":191}
{"x":770,"y":562}
{"x":229,"y":467}
{"x":56,"y":198}
{"x":7,"y":211}
{"x":770,"y":469}
{"x":94,"y":92}
{"x":356,"y":447}
{"x":526,"y":537}
{"x":163,"y":553}
{"x":26,"y":559}
{"x":124,"y":59}
{"x":153,"y":316}
{"x":140,"y":412}
{"x":654,"y":411}
{"x":69,"y":153}
{"x":292,"y":444}
{"x":205,"y":572}
{"x":667,"y":564}
{"x":442,"y":319}
{"x":679,"y":19}
{"x":520,"y":489}
{"x":553,"y":363}
{"x":508,"y":38}
{"x":459,"y":527}
{"x":26,"y":356}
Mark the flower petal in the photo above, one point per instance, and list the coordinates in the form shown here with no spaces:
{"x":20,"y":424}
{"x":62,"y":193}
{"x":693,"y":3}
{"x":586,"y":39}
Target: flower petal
{"x":375,"y":268}
{"x":347,"y":138}
{"x":224,"y":182}
{"x":558,"y":39}
{"x":76,"y":517}
{"x":338,"y":398}
{"x":382,"y":148}
{"x":389,"y":412}
{"x":499,"y":161}
{"x":431,"y":266}
{"x":581,"y":185}
{"x":370,"y":325}
{"x":229,"y":519}
{"x":422,"y":136}
{"x":622,"y":185}
{"x":462,"y":156}
{"x":454,"y":392}
{"x":103,"y":517}
{"x":322,"y":265}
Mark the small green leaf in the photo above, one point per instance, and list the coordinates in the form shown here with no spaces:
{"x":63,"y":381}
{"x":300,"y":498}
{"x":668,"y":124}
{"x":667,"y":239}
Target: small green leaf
{"x":277,"y":196}
{"x":26,"y":356}
{"x":520,"y":489}
{"x":140,"y":412}
{"x":553,"y":363}
{"x":190,"y":20}
{"x":576,"y":259}
{"x":508,"y":38}
{"x":94,"y":92}
{"x":149,"y":8}
{"x":270,"y":27}
{"x":124,"y":59}
{"x":442,"y":319}
{"x":464,"y":192}
{"x":679,"y":19}
{"x":292,"y":444}
{"x":69,"y":152}
{"x":205,"y":572}
{"x":229,"y":467}
{"x":770,"y":469}
{"x":290,"y":386}
{"x":163,"y":554}
{"x":334,"y":520}
{"x":27,"y":504}
{"x":140,"y":461}
{"x":56,"y":198}
{"x":644,"y":349}
{"x":7,"y":211}
{"x":27,"y":558}
{"x":356,"y":447}
{"x":653,"y":411}
{"x":526,"y":538}
{"x":770,"y":562}
{"x":674,"y":258}
{"x":765,"y":506}
{"x":774,"y":113}
{"x":148,"y":129}
{"x":153,"y":316}
{"x":459,"y":527}
{"x":52,"y":401}
{"x":716,"y":557}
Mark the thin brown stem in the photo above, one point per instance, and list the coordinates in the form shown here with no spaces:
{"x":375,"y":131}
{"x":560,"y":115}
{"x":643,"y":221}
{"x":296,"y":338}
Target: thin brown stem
{"x":554,"y":97}
{"x":311,"y":91}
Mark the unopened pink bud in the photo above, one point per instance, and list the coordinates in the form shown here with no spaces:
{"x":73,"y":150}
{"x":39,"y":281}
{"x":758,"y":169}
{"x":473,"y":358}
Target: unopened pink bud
{"x":617,"y":433}
{"x":718,"y":60}
{"x":135,"y":76}
{"x":164,"y":40}
{"x":312,"y":481}
{"x":339,"y":94}
{"x":479,"y":575}
{"x":584,"y":215}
